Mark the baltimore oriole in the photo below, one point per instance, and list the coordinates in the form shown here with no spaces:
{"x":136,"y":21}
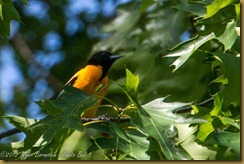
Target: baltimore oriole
{"x":93,"y":75}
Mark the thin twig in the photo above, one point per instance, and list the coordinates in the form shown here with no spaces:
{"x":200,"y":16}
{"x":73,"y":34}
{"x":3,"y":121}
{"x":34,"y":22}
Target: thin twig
{"x":9,"y":133}
{"x":186,"y":109}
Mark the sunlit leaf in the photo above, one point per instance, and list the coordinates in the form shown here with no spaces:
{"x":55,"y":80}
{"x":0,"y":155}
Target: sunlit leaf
{"x":217,"y":106}
{"x":161,"y":112}
{"x":131,"y":85}
{"x":184,"y":50}
{"x":229,"y":36}
{"x":230,"y":121}
{"x":237,"y":8}
{"x":187,"y":141}
{"x":204,"y":130}
{"x":216,"y":5}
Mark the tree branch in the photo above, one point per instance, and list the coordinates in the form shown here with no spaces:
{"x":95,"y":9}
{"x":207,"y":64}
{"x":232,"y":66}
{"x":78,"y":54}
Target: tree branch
{"x":114,"y":119}
{"x":14,"y":131}
{"x":26,"y":53}
{"x":9,"y":133}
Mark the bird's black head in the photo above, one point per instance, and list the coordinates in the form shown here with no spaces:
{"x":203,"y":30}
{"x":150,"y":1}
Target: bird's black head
{"x":104,"y":59}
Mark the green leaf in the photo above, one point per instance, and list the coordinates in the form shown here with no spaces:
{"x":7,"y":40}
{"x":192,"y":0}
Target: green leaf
{"x":75,"y":147}
{"x":205,"y":129}
{"x":217,"y":5}
{"x":187,"y":141}
{"x":184,"y":50}
{"x":104,"y":143}
{"x":217,"y":106}
{"x":32,"y":135}
{"x":73,"y":102}
{"x":131,"y":85}
{"x":121,"y":27}
{"x":147,"y":124}
{"x":101,"y":127}
{"x":24,"y":125}
{"x":145,"y":4}
{"x":132,"y":81}
{"x":119,"y":132}
{"x":7,"y":14}
{"x":50,"y":106}
{"x":228,"y":38}
{"x":137,"y":147}
{"x":230,"y":68}
{"x":1,"y":11}
{"x":25,"y":2}
{"x":166,"y":146}
{"x":230,"y":121}
{"x":161,"y":112}
{"x":228,"y":139}
{"x":237,"y":8}
{"x":157,"y":131}
{"x":196,"y":8}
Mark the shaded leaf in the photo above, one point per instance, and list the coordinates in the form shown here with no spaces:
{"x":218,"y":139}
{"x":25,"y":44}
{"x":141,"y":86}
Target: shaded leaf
{"x":49,"y":107}
{"x":104,"y":143}
{"x":230,"y":68}
{"x":137,"y":147}
{"x":121,"y":26}
{"x":7,"y":14}
{"x":73,"y":103}
{"x":196,"y":8}
{"x":228,"y":139}
{"x":145,"y":4}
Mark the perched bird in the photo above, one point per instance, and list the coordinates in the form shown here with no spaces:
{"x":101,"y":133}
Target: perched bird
{"x":93,"y":75}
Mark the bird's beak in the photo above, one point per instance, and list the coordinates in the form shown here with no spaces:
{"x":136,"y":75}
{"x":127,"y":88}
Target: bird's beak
{"x":115,"y":57}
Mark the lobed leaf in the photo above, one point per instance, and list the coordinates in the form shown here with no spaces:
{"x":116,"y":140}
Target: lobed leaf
{"x":161,"y":112}
{"x":184,"y":50}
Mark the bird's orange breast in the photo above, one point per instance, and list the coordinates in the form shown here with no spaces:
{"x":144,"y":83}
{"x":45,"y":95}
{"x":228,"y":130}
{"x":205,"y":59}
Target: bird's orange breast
{"x":87,"y":80}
